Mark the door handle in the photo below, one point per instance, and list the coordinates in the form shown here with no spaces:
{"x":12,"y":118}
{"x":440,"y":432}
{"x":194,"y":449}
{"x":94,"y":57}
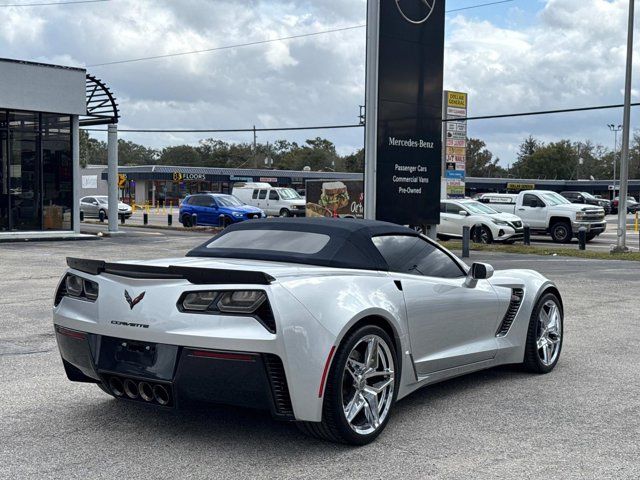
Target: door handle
{"x":522,"y":209}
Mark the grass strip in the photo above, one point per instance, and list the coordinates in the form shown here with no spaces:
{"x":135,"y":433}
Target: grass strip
{"x":546,"y":251}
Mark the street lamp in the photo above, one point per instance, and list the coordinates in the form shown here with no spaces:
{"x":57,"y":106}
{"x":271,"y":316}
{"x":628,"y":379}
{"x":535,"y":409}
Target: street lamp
{"x":615,"y":129}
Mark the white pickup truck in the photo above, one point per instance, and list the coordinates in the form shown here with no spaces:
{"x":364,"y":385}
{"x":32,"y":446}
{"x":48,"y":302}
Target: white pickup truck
{"x":549,"y":213}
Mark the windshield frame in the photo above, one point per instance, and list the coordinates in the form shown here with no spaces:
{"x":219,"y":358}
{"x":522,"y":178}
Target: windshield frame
{"x":288,"y":193}
{"x":222,"y":200}
{"x":483,"y":208}
{"x":553,"y":199}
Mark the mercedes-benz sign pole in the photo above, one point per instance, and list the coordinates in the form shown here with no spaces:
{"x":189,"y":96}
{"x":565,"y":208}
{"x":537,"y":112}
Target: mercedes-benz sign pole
{"x":403,"y":126}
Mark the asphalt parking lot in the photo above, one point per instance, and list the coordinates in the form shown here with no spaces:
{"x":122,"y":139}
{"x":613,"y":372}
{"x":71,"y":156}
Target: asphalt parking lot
{"x":580,"y":421}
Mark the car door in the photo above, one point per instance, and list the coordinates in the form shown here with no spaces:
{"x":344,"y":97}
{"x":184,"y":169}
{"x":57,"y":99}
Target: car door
{"x":262,"y":201}
{"x":450,"y":324}
{"x":273,"y":203}
{"x":447,"y":225}
{"x":533,"y":211}
{"x":89,"y":206}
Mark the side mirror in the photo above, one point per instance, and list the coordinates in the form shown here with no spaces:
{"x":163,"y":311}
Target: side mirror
{"x":478,"y":271}
{"x":463,"y":213}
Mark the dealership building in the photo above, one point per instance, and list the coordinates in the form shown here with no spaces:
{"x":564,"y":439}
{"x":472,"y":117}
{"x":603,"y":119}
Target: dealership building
{"x":40,"y":106}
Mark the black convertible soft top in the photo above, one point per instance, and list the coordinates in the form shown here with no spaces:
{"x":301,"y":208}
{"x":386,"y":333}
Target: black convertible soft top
{"x":348,"y":245}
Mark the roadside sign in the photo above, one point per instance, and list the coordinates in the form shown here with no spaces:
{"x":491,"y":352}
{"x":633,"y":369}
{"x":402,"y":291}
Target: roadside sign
{"x":454,"y":138}
{"x":454,"y":174}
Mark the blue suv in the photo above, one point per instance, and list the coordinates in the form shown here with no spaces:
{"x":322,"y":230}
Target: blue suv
{"x":216,"y":209}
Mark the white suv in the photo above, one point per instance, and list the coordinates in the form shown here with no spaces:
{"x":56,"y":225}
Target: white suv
{"x":487,"y":225}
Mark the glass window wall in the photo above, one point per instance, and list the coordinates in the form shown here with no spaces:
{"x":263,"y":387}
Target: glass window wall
{"x":36,"y":171}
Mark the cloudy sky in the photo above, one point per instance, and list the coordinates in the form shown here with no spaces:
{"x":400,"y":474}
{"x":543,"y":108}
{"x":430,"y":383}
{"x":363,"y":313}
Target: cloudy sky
{"x":516,"y":56}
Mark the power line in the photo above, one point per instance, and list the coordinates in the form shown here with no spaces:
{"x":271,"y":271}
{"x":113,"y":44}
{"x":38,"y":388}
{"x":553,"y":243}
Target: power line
{"x":47,"y":4}
{"x":480,"y":5}
{"x":226,"y":130}
{"x":262,"y":42}
{"x":358,"y":125}
{"x":540,"y":112}
{"x":227,"y":47}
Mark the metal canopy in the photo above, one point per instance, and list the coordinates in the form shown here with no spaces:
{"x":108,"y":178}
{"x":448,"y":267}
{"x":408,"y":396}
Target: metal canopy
{"x":102,"y":108}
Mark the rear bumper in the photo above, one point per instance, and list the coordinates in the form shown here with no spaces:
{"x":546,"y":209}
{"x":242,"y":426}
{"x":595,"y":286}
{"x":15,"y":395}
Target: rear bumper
{"x":187,"y":375}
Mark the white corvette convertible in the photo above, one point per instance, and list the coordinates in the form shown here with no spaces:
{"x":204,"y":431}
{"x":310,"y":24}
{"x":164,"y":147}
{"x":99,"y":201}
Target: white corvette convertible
{"x":324,"y":321}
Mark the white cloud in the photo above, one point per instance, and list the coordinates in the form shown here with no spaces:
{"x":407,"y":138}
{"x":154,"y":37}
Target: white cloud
{"x":571,"y":54}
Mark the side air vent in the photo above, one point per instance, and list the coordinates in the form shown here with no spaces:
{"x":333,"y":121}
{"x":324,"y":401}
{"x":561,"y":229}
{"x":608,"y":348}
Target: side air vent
{"x":279,"y":388}
{"x":516,"y":299}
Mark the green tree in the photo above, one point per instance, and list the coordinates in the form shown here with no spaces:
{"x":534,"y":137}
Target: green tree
{"x":355,"y":161}
{"x":131,"y":153}
{"x":92,"y":151}
{"x":480,"y":161}
{"x":181,"y":155}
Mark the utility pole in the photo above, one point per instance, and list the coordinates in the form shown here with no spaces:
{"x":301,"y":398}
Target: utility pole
{"x":615,"y":129}
{"x":255,"y":148}
{"x":621,"y":246}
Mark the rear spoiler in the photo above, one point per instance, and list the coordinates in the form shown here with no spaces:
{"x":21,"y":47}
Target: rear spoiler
{"x":195,"y":275}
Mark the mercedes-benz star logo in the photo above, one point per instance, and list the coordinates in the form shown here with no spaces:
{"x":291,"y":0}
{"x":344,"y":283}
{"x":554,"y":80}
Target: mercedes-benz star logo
{"x":133,"y":301}
{"x":430,"y":4}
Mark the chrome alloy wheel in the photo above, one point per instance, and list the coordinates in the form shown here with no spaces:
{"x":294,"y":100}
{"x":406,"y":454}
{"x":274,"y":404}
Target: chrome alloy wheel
{"x":549,"y":332}
{"x":368,"y":384}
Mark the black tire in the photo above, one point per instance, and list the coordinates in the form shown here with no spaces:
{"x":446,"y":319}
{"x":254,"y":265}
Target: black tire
{"x":285,"y":213}
{"x":532,"y":361}
{"x":334,"y":426}
{"x":561,"y":232}
{"x":226,"y":221}
{"x":481,"y":235}
{"x":186,"y":221}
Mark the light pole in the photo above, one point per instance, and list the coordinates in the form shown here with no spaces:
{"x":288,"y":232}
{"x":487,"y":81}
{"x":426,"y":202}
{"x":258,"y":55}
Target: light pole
{"x":621,"y":246}
{"x":615,"y":129}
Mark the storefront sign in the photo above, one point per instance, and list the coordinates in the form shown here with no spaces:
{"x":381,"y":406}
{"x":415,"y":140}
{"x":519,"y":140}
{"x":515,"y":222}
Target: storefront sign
{"x":268,"y":180}
{"x":455,"y":139}
{"x":521,"y":186}
{"x":457,"y":99}
{"x":408,"y":130}
{"x":188,"y":177}
{"x":89,"y":181}
{"x":234,"y":178}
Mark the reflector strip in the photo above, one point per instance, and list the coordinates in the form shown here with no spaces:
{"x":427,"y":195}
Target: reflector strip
{"x":71,"y":333}
{"x":325,"y":371}
{"x":241,"y":357}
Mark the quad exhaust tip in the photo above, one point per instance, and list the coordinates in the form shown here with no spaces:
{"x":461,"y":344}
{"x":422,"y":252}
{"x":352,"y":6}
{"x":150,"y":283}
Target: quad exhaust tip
{"x":116,"y":386}
{"x":146,"y":391}
{"x":161,"y":395}
{"x":131,"y":388}
{"x":134,"y":390}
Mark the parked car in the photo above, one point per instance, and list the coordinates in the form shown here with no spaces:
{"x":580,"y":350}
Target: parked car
{"x":216,"y":209}
{"x":92,"y":206}
{"x":487,"y":225}
{"x":632,"y":205}
{"x":322,"y":321}
{"x":549,"y":213}
{"x":587,"y":198}
{"x":280,"y":201}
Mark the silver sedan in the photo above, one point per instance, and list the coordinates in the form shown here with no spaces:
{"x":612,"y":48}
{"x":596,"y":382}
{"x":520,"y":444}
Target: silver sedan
{"x":92,"y":206}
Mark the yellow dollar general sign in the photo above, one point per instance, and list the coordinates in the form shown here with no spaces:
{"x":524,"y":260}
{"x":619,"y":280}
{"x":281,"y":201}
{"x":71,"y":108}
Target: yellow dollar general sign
{"x":457,"y":99}
{"x":122,"y":179}
{"x":177,"y":177}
